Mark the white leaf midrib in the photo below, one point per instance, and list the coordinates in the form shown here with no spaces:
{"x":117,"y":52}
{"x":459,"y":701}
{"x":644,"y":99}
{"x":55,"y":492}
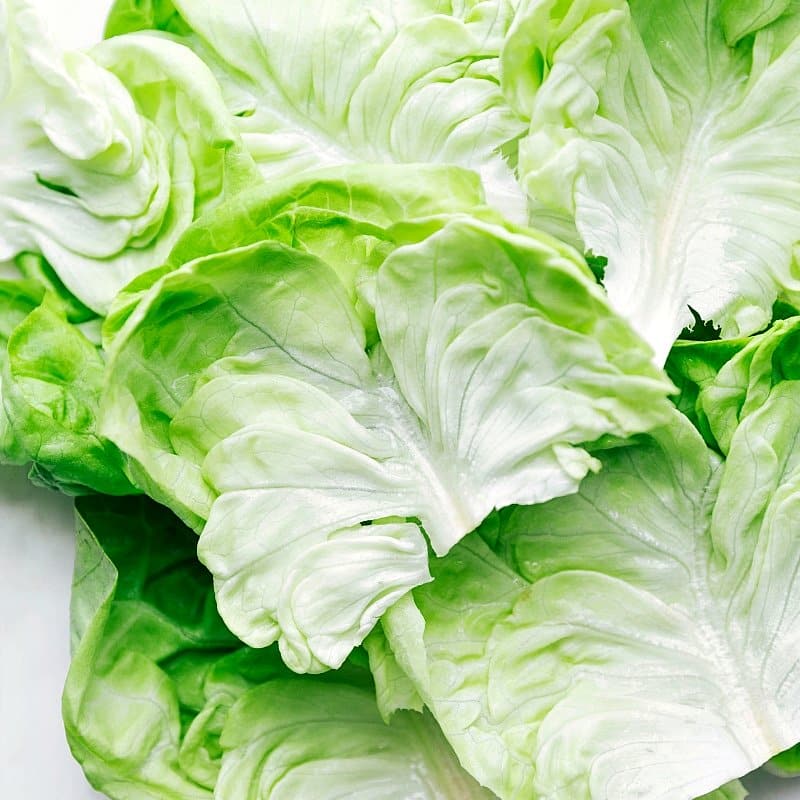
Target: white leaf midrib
{"x":426,"y":467}
{"x":759,"y":733}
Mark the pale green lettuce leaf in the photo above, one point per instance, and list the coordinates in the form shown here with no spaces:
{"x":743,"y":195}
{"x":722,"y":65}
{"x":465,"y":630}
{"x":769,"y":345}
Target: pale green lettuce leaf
{"x":281,"y":435}
{"x":307,"y":563}
{"x":162,"y":703}
{"x":673,"y":154}
{"x":34,"y":267}
{"x":637,"y":639}
{"x":351,"y":217}
{"x":316,"y":84}
{"x":317,"y":741}
{"x":394,"y":690}
{"x":106,"y":157}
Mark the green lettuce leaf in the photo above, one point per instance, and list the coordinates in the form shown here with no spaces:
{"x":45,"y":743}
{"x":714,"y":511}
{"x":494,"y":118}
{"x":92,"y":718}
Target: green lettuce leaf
{"x":394,"y":690}
{"x":351,"y":217}
{"x":281,"y":436}
{"x":52,"y":377}
{"x":162,"y":702}
{"x":731,"y":791}
{"x":692,"y":366}
{"x":785,"y":764}
{"x":127,"y":16}
{"x":106,"y":157}
{"x":35,"y":267}
{"x":745,"y":382}
{"x":741,"y":19}
{"x":312,"y":85}
{"x":671,"y":152}
{"x":18,"y":297}
{"x":637,"y":639}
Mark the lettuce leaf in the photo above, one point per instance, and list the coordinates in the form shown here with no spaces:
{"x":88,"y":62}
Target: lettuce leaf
{"x":745,"y":382}
{"x":786,"y":764}
{"x":281,"y":437}
{"x":162,"y":702}
{"x":109,"y":156}
{"x":585,"y":647}
{"x":666,"y":136}
{"x":52,"y":378}
{"x":731,"y":791}
{"x":18,"y":297}
{"x":313,"y":85}
{"x":351,"y":217}
{"x":692,"y":366}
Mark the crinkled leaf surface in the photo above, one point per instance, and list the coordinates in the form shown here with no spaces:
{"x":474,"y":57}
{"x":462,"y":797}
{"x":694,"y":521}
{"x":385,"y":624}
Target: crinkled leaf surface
{"x":141,"y":609}
{"x":721,"y":381}
{"x":351,"y":217}
{"x":52,"y":379}
{"x":692,"y":366}
{"x":638,"y":639}
{"x":34,"y":267}
{"x":106,"y":158}
{"x":281,"y":436}
{"x":675,"y":154}
{"x":17,"y":299}
{"x":745,"y":382}
{"x":317,"y":84}
{"x":162,"y":703}
{"x":394,"y":690}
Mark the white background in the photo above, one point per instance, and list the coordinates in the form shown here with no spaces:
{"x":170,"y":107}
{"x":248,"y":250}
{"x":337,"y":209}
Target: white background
{"x":36,"y":552}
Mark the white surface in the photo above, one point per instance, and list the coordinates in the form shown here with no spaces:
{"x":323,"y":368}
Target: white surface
{"x":36,"y":554}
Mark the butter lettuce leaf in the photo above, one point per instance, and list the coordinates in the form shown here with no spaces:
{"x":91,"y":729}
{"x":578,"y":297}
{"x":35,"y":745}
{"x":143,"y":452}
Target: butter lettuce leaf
{"x":744,"y":383}
{"x":18,"y":297}
{"x":394,"y":690}
{"x":667,"y":149}
{"x":693,"y":366}
{"x":163,"y":703}
{"x":351,"y":217}
{"x":284,"y":435}
{"x":585,"y":647}
{"x":108,"y":156}
{"x":52,"y":378}
{"x":313,"y":85}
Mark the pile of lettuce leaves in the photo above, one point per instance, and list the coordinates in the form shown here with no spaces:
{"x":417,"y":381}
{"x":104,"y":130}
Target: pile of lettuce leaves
{"x":426,"y":374}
